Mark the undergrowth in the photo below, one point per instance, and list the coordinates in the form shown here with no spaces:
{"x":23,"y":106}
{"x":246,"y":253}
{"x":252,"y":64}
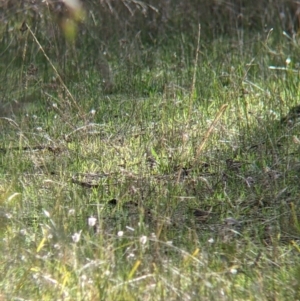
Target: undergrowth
{"x":150,"y":173}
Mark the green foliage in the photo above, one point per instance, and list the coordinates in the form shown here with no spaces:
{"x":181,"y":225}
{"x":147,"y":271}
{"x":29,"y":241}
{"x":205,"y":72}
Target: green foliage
{"x":122,"y":174}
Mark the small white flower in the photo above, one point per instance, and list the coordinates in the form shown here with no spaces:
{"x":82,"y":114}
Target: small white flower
{"x":8,"y":215}
{"x":23,"y":231}
{"x":120,"y":233}
{"x":76,"y":237}
{"x":92,"y":221}
{"x":130,"y":255}
{"x":211,"y":240}
{"x":57,"y":246}
{"x":153,"y":235}
{"x":233,"y":271}
{"x":143,"y":239}
{"x":83,"y":277}
{"x":71,"y":212}
{"x":288,"y":61}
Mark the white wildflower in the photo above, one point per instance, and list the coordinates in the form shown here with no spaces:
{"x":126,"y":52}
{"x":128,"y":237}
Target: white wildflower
{"x":211,"y":240}
{"x":92,"y":221}
{"x":143,"y":239}
{"x":71,"y":212}
{"x":76,"y":237}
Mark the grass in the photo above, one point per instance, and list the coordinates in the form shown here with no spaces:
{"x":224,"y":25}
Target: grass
{"x":136,"y":193}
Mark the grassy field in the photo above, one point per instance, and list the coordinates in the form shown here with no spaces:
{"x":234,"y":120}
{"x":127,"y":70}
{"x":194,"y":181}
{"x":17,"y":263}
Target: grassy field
{"x":145,"y":172}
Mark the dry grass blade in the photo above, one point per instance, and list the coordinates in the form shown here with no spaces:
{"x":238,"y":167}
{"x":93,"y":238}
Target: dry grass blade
{"x":195,"y":71}
{"x":56,"y":72}
{"x":210,"y":129}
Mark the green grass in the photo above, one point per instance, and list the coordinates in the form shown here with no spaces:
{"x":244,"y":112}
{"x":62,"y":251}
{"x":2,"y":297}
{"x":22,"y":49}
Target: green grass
{"x":134,"y":160}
